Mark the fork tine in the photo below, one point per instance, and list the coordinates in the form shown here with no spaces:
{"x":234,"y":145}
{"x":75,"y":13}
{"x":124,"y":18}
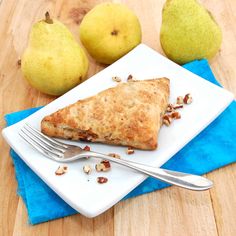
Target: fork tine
{"x":38,"y":147}
{"x":52,"y":141}
{"x":40,"y":143}
{"x":44,"y":141}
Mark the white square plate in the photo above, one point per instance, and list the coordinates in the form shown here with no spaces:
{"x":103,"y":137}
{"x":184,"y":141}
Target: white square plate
{"x":90,"y":198}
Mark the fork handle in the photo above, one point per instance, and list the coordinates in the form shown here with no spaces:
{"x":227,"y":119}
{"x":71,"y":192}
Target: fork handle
{"x":188,"y":181}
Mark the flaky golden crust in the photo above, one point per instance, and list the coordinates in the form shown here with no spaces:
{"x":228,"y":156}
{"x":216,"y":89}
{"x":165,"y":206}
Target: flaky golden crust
{"x":128,"y":114}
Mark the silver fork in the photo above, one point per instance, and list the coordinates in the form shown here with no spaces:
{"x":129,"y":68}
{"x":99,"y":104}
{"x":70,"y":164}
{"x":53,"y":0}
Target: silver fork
{"x":62,"y":152}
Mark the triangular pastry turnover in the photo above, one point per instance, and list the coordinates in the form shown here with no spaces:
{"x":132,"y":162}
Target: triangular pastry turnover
{"x":128,"y":114}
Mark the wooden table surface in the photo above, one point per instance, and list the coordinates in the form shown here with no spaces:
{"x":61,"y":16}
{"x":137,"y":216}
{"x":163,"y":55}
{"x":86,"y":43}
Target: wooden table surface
{"x":171,"y":211}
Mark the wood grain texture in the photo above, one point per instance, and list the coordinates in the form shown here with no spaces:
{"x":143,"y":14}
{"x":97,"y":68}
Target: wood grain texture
{"x":171,"y":211}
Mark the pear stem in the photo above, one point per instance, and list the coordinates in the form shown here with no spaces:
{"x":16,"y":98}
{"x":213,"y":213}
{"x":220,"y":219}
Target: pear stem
{"x":47,"y":18}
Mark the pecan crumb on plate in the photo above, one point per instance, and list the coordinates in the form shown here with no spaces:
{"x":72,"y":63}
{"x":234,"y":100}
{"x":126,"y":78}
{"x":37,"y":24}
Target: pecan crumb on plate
{"x":103,"y":166}
{"x":87,"y":169}
{"x":188,"y":98}
{"x":129,"y":151}
{"x":86,"y":148}
{"x":61,"y":170}
{"x":116,"y":79}
{"x":175,"y":115}
{"x":169,"y":108}
{"x":102,"y":180}
{"x":114,"y":155}
{"x":130,"y":78}
{"x":167,"y":120}
{"x":180,"y":100}
{"x":177,"y":106}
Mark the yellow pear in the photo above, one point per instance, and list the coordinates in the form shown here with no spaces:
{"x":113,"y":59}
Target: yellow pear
{"x":53,"y":62}
{"x":188,"y":31}
{"x":109,"y":31}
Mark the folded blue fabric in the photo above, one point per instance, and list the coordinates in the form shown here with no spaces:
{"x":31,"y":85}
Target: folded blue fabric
{"x":212,"y":148}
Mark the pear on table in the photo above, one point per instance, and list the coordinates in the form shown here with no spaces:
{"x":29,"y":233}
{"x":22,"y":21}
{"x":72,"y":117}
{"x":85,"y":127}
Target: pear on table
{"x":188,"y":31}
{"x":109,"y":31}
{"x":53,"y":62}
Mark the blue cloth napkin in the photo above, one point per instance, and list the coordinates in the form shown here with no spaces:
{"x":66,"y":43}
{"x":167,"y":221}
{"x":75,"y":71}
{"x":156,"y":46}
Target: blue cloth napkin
{"x":212,"y":148}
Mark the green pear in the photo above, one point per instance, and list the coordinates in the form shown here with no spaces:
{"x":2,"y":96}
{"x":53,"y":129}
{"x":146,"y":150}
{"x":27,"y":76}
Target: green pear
{"x":109,"y":31}
{"x":53,"y":62}
{"x":188,"y":31}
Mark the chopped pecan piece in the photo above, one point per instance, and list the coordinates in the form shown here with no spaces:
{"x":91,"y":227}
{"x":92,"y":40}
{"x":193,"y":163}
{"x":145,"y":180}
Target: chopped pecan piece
{"x":61,"y":170}
{"x":103,"y":166}
{"x":130,"y":78}
{"x":188,"y":98}
{"x":116,"y":79}
{"x":102,"y":180}
{"x":169,"y":108}
{"x":180,"y":100}
{"x":167,"y":120}
{"x":86,"y":148}
{"x":106,"y":163}
{"x":175,"y":115}
{"x":87,"y":169}
{"x":114,"y":155}
{"x":129,"y":151}
{"x":177,"y":106}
